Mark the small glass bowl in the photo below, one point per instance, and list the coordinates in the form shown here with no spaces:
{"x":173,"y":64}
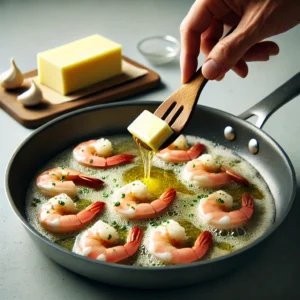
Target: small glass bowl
{"x":159,"y":50}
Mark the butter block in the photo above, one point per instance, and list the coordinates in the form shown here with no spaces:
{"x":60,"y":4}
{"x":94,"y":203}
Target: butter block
{"x":150,"y":129}
{"x":79,"y":64}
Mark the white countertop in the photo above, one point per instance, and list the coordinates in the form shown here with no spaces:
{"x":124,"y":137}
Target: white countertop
{"x":27,"y":27}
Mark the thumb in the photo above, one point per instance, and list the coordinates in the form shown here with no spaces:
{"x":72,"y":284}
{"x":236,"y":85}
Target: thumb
{"x":227,"y":53}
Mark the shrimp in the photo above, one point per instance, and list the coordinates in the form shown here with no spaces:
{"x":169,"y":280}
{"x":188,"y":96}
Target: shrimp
{"x":179,"y":151}
{"x":127,"y":201}
{"x":205,"y":172}
{"x":98,"y":154}
{"x":100,"y":242}
{"x":62,"y":180}
{"x":215,"y":210}
{"x":60,"y":215}
{"x":165,"y":243}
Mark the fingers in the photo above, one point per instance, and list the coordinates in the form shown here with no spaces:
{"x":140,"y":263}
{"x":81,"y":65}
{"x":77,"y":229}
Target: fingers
{"x":211,"y":36}
{"x":227,"y":54}
{"x":261,"y":51}
{"x":191,"y":28}
{"x":241,"y":68}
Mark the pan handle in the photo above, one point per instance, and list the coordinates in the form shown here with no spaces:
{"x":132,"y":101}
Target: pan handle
{"x":266,"y":107}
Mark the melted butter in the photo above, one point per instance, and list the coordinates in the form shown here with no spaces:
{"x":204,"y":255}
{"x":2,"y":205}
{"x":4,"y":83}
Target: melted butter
{"x":66,"y":243}
{"x":223,"y":246}
{"x":237,"y":191}
{"x":82,"y":203}
{"x":191,"y":231}
{"x":159,"y":182}
{"x":182,"y":210}
{"x":147,"y":156}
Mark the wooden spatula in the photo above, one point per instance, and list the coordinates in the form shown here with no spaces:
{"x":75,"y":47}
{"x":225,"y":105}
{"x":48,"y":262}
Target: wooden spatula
{"x":177,"y":109}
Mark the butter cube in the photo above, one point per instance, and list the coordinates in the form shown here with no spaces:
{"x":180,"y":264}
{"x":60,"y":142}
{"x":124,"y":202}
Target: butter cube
{"x":79,"y":64}
{"x":150,"y":129}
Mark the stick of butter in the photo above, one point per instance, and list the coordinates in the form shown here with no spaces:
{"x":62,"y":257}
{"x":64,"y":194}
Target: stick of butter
{"x":79,"y":64}
{"x":150,"y":129}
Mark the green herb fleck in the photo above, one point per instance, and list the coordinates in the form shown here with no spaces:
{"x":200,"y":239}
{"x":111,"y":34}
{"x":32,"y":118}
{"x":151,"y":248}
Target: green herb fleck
{"x":109,"y":237}
{"x":62,"y":203}
{"x":123,"y":227}
{"x":220,"y":200}
{"x":123,"y":196}
{"x":91,"y":161}
{"x":53,"y":183}
{"x":194,"y":166}
{"x":117,"y":203}
{"x":36,"y":200}
{"x":105,"y":195}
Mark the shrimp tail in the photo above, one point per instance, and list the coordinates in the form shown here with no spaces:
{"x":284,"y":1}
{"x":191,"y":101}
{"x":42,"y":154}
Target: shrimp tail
{"x":247,"y":205}
{"x":235,"y":176}
{"x":196,"y":150}
{"x":89,"y":181}
{"x":133,"y":240}
{"x":119,"y":159}
{"x":164,"y":200}
{"x":202,"y":244}
{"x":90,"y":212}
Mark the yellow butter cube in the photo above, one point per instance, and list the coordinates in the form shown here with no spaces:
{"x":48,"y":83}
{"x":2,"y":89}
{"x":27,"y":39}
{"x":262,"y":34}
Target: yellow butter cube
{"x":79,"y":64}
{"x":150,"y":129}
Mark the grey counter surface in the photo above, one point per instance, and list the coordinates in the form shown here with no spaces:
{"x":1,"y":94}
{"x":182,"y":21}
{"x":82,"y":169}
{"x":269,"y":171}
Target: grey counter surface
{"x":28,"y":27}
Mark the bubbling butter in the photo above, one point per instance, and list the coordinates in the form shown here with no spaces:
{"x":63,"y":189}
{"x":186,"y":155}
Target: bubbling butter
{"x":184,"y":209}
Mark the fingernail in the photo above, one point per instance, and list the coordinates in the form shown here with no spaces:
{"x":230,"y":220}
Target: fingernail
{"x":211,"y":69}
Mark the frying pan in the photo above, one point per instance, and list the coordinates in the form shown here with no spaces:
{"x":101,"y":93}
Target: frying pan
{"x":68,"y":130}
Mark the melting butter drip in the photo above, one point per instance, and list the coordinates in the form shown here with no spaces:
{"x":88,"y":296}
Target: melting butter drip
{"x":147,"y":156}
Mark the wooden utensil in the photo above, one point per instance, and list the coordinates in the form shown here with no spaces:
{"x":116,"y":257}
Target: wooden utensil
{"x":177,"y":109}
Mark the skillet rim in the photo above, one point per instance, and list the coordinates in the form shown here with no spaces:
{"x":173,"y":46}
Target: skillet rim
{"x":196,"y":264}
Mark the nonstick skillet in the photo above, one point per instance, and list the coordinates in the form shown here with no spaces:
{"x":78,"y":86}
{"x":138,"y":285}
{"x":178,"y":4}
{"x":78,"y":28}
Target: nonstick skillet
{"x":246,"y":139}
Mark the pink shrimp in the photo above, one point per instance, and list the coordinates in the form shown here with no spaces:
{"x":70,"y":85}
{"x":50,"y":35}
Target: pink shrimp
{"x":165,"y":241}
{"x":205,"y":172}
{"x":60,"y":215}
{"x":175,"y":155}
{"x":62,"y":180}
{"x":179,"y":151}
{"x":99,"y":242}
{"x":98,"y":154}
{"x":215,"y":210}
{"x":127,"y":201}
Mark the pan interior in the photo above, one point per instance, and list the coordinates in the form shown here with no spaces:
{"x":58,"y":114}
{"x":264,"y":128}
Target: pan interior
{"x":207,"y":123}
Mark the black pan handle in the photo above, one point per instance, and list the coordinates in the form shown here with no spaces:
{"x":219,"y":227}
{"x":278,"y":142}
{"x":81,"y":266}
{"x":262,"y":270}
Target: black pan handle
{"x":266,"y":107}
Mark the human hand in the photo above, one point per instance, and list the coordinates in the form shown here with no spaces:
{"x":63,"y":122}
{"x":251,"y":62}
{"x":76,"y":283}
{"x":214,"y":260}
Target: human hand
{"x":256,"y":20}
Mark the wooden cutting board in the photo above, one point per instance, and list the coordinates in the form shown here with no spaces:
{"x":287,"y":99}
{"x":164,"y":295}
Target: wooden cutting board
{"x":35,"y":116}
